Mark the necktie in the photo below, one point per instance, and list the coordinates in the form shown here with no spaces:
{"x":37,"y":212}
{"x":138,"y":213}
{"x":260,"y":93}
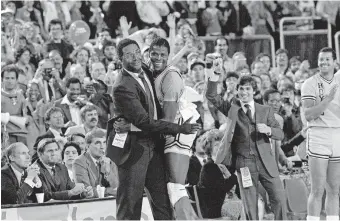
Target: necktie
{"x":23,"y":177}
{"x":148,"y":94}
{"x":53,"y":171}
{"x":248,"y":113}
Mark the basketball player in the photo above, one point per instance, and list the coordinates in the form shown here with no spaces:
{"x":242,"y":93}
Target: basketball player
{"x":320,"y":97}
{"x":169,"y":87}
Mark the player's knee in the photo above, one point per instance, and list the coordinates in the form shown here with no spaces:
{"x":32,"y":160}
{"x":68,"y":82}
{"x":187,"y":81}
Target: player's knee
{"x":317,"y":192}
{"x":333,"y":189}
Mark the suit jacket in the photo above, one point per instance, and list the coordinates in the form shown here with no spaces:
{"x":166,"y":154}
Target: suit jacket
{"x":56,"y":188}
{"x":78,"y":129}
{"x":131,"y":103}
{"x":86,"y":172}
{"x":263,"y":114}
{"x":11,"y":192}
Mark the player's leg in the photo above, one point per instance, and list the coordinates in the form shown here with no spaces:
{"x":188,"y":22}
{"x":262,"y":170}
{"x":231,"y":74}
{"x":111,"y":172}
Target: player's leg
{"x":332,"y":190}
{"x":177,"y":168}
{"x":318,"y":172}
{"x":319,"y":151}
{"x":333,"y":179}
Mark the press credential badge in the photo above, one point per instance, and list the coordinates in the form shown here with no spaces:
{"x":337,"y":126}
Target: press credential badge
{"x":119,"y":140}
{"x":246,"y":177}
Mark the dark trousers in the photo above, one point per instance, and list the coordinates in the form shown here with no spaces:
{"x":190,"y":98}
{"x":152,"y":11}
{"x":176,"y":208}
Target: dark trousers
{"x":272,"y":185}
{"x":148,"y":172}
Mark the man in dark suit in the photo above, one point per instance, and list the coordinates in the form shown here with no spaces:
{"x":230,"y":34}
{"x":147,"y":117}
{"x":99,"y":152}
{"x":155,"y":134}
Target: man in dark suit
{"x":246,"y":144}
{"x":19,"y":180}
{"x":139,"y":165}
{"x":94,"y":168}
{"x":54,"y":117}
{"x":54,"y":176}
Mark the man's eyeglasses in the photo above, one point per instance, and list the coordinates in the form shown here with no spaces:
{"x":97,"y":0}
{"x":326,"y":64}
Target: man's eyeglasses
{"x":131,"y":56}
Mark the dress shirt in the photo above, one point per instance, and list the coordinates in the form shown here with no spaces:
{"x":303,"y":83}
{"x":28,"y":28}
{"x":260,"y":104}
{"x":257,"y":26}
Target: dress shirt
{"x":18,"y":175}
{"x":55,"y":133}
{"x":136,"y":76}
{"x":252,"y":107}
{"x":49,"y":168}
{"x":74,"y":110}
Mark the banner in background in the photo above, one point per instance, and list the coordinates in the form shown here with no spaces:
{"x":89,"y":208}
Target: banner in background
{"x":92,"y":210}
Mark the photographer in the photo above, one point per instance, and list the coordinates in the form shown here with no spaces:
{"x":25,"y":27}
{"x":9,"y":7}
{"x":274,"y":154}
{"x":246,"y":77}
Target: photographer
{"x":290,"y":113}
{"x":48,"y":78}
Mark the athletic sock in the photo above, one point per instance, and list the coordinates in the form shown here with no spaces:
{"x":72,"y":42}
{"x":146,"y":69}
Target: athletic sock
{"x":332,"y":218}
{"x":313,"y":218}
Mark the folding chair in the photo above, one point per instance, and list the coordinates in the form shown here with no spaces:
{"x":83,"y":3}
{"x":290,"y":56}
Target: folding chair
{"x":193,"y":195}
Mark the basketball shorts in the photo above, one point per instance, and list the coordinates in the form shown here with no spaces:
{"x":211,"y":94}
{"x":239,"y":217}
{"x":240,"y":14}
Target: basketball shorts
{"x":324,"y":143}
{"x":181,"y":143}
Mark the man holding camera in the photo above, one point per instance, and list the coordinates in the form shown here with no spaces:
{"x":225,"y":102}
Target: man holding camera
{"x":49,"y":79}
{"x":246,"y":144}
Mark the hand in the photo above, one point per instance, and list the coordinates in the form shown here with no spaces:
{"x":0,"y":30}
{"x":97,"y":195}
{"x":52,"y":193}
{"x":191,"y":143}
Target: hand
{"x":332,"y":92}
{"x":37,"y":182}
{"x":171,"y":21}
{"x":304,"y":132}
{"x":224,"y":170}
{"x":188,"y":128}
{"x":289,"y":164}
{"x":226,"y":14}
{"x":218,"y":65}
{"x":77,"y":189}
{"x":88,"y":192}
{"x":70,"y":124}
{"x":124,"y":25}
{"x":32,"y":171}
{"x":288,"y":109}
{"x":264,"y":129}
{"x":121,"y":126}
{"x":105,"y":163}
{"x":189,"y":46}
{"x":91,"y":89}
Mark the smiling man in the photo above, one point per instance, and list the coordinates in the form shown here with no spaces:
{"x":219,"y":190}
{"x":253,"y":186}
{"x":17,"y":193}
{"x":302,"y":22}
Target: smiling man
{"x":320,"y":97}
{"x":139,"y":164}
{"x":169,"y":86}
{"x":246,"y":144}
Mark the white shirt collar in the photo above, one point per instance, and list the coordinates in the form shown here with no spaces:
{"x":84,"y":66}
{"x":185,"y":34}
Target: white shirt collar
{"x":65,"y":100}
{"x":94,"y":160}
{"x":17,"y":174}
{"x":54,"y":132}
{"x":251,"y":104}
{"x":135,"y":75}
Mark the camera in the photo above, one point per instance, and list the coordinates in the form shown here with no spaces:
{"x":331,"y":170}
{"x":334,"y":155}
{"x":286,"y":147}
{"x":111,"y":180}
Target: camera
{"x":47,"y":67}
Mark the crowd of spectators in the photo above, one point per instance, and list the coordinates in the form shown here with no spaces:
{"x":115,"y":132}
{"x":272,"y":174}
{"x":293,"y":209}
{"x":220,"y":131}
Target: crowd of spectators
{"x":56,"y":95}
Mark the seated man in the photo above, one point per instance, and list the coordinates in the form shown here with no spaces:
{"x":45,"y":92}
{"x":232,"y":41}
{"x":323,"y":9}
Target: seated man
{"x":89,"y":117}
{"x":19,"y":180}
{"x":54,"y":176}
{"x":93,"y":167}
{"x":215,"y":179}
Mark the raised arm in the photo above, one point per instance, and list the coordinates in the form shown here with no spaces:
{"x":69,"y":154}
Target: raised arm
{"x":211,"y":94}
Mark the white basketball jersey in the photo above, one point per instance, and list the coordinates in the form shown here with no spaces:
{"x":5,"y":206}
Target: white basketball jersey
{"x":316,"y":88}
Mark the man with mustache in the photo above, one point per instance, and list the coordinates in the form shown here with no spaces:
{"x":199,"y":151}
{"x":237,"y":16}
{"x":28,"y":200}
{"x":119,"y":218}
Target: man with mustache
{"x":89,"y":117}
